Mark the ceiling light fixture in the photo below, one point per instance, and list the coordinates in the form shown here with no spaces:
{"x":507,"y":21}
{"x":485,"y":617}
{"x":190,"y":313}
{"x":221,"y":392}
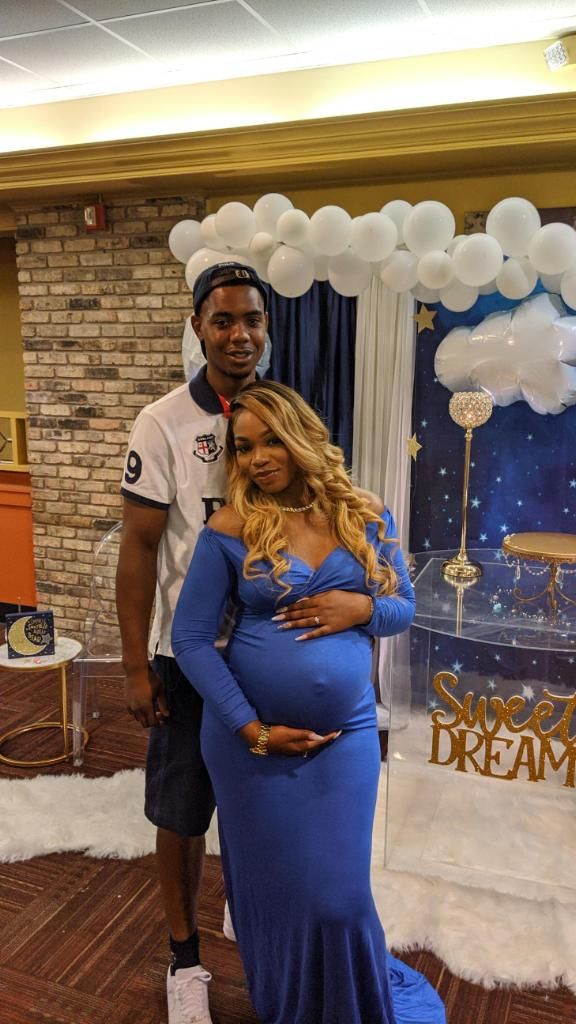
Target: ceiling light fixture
{"x":561,"y":53}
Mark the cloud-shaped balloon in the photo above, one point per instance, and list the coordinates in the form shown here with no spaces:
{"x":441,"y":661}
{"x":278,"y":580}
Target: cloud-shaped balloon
{"x":528,"y":353}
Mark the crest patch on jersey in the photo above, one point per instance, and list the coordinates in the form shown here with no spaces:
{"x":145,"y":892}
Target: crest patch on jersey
{"x":207,"y":448}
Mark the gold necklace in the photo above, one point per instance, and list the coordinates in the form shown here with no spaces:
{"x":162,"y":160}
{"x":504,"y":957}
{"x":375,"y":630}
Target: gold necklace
{"x":291,"y":508}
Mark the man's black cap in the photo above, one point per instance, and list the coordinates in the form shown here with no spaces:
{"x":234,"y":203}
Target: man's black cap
{"x":223,"y":275}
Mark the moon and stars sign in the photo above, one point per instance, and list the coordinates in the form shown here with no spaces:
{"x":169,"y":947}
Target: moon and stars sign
{"x":30,"y":635}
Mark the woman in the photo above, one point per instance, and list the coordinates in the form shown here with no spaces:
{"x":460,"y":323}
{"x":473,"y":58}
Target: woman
{"x":296,"y":819}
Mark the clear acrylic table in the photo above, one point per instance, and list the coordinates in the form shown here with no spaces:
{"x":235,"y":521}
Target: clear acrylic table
{"x":482,"y":766}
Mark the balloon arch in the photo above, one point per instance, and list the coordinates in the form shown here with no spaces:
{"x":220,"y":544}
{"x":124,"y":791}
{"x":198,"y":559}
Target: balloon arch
{"x":409,"y":248}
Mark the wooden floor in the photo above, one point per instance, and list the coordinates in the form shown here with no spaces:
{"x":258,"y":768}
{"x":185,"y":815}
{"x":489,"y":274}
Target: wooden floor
{"x":82,"y":941}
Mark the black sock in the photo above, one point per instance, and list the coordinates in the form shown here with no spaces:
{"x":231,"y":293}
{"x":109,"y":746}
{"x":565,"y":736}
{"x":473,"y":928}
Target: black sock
{"x":185,"y":954}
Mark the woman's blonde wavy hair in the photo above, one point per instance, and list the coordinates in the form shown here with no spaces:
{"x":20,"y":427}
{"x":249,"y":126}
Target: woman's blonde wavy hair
{"x":321,"y":465}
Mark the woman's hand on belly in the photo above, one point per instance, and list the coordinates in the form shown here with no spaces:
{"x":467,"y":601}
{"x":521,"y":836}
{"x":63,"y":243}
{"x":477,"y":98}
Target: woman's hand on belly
{"x":284,"y":740}
{"x":331,"y":611}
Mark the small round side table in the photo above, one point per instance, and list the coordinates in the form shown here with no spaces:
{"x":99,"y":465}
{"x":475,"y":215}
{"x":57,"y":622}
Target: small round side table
{"x":555,"y":549}
{"x":65,"y":651}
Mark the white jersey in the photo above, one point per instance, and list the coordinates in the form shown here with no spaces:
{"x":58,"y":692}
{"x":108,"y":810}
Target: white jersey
{"x":175,"y":461}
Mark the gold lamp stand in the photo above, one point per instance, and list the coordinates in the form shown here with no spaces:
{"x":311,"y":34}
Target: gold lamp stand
{"x":469,"y":409}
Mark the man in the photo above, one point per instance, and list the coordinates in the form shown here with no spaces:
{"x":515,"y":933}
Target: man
{"x":174,"y":479}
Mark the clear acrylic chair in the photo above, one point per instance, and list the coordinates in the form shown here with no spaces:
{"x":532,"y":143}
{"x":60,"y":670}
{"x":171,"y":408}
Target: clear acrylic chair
{"x":102,"y":653}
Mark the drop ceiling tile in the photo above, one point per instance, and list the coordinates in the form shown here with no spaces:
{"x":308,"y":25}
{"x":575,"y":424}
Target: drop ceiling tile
{"x":201,"y":36}
{"x":511,"y":10}
{"x":20,"y":16}
{"x":101,"y":10}
{"x":13,"y":80}
{"x":74,"y":55}
{"x":342,"y":20}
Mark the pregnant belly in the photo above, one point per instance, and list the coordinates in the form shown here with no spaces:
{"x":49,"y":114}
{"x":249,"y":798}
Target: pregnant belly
{"x":315,"y":684}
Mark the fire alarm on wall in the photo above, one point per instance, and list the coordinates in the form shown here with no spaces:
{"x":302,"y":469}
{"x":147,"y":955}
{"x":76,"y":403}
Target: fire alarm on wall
{"x":95,"y":217}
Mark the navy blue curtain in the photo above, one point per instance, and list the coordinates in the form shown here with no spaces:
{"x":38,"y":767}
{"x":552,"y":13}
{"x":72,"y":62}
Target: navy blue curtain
{"x":313,"y":341}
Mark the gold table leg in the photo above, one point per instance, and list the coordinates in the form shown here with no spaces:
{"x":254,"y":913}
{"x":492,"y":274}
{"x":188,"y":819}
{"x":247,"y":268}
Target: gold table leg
{"x":553,"y":590}
{"x":63,"y":726}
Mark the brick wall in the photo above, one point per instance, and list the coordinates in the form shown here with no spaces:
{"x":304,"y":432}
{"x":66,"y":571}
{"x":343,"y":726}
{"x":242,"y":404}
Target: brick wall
{"x":102,"y":319}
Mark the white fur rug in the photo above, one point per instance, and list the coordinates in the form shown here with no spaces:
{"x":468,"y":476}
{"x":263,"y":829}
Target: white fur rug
{"x":485,"y":936}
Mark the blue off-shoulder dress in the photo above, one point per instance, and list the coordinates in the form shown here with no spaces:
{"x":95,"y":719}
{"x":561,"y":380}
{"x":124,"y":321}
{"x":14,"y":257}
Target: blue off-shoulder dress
{"x":296,"y":832}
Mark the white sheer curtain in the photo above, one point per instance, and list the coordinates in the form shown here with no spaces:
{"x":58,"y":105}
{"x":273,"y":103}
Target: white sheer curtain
{"x":385,"y":357}
{"x":385,"y":354}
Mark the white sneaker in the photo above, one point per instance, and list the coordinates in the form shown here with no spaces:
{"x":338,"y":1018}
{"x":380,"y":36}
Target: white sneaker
{"x":228,"y":927}
{"x":187,"y":992}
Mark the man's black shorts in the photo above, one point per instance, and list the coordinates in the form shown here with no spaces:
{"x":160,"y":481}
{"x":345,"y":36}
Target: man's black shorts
{"x":179,"y":794}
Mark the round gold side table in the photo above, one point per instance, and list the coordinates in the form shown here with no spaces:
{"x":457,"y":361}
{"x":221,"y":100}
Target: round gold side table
{"x":66,"y":650}
{"x":555,"y":549}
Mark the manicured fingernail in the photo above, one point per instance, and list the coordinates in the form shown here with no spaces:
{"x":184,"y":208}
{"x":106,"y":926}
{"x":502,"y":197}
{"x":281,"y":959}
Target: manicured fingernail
{"x":278,"y":618}
{"x":305,"y":637}
{"x":286,"y":625}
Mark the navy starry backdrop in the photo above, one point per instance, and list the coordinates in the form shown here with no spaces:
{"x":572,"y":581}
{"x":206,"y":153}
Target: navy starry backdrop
{"x":523,"y":469}
{"x":522,"y":478}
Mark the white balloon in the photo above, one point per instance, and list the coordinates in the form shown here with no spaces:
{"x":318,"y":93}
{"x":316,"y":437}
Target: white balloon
{"x":260,"y":264}
{"x":424,"y":294}
{"x":348,"y":274}
{"x":435,"y":269}
{"x":330,"y":230}
{"x":400,"y":272}
{"x":198,"y":262}
{"x":397,"y":210}
{"x":321,"y":266}
{"x":373,"y":237}
{"x":185,"y":239}
{"x":552,"y":282}
{"x":516,"y":279}
{"x":527,"y":354}
{"x":455,"y":241}
{"x":477,"y":260}
{"x":292,"y":227}
{"x":568,"y":287}
{"x":429,"y":225}
{"x":290,"y":271}
{"x":488,"y":289}
{"x":458,"y":297}
{"x":513,"y":222}
{"x":553,"y":249}
{"x":262,"y":245}
{"x":268,"y":209}
{"x":211,"y":237}
{"x":236,"y":224}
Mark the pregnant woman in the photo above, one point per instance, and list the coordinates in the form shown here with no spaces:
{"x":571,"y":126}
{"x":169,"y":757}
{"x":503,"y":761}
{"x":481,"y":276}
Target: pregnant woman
{"x":289,"y":730}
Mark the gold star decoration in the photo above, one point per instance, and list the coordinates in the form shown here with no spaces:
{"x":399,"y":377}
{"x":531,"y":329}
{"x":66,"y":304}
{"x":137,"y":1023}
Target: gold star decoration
{"x":412,"y":447}
{"x":424,"y":318}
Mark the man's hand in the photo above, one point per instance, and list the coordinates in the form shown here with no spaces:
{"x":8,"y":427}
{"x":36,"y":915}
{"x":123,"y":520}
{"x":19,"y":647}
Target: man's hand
{"x":329,"y":612}
{"x":287,"y":741}
{"x":145,"y":697}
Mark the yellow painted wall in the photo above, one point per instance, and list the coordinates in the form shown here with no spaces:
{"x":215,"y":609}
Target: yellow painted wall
{"x":546,"y":188}
{"x":464,"y":76}
{"x":11,"y":359}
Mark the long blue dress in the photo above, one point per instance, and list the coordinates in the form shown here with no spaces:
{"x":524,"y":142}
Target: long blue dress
{"x":296,"y":832}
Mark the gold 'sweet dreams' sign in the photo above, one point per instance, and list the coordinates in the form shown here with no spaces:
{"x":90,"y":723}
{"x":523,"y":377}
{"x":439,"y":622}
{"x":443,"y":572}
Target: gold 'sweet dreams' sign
{"x":479,"y":738}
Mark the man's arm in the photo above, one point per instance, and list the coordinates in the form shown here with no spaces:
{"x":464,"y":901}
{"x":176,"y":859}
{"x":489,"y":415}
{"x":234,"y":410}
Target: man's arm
{"x":142,"y":529}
